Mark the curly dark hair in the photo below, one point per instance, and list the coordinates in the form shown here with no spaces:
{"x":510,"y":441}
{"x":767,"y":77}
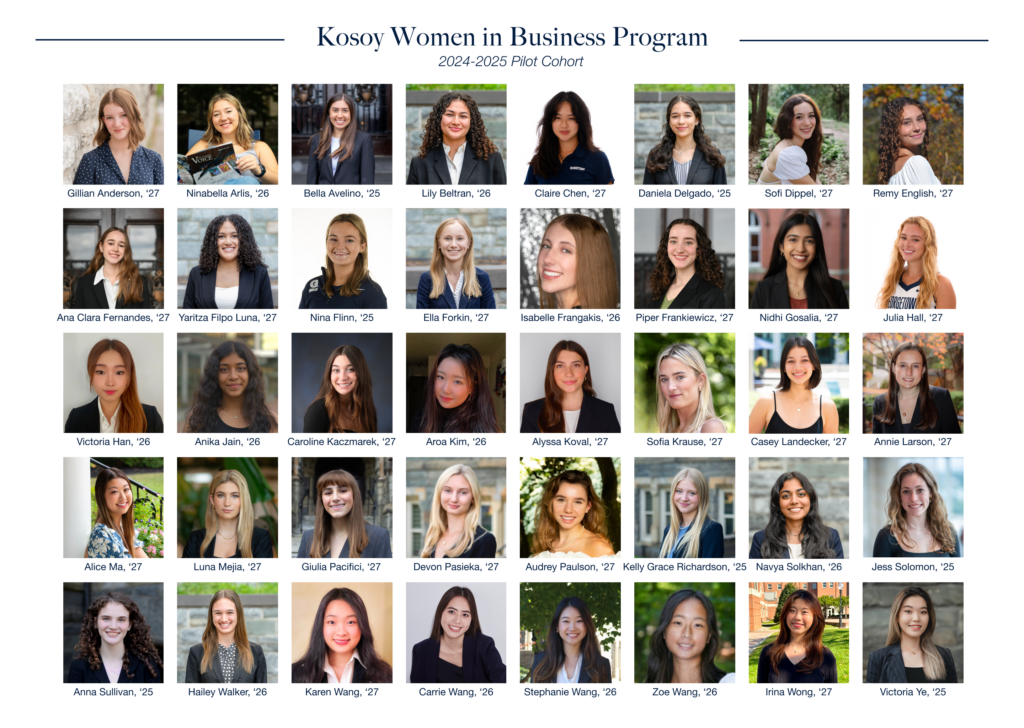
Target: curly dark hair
{"x":249,"y":255}
{"x":476,"y":137}
{"x":889,"y":136}
{"x":661,"y":156}
{"x":203,"y":417}
{"x":708,"y":265}
{"x":136,"y":641}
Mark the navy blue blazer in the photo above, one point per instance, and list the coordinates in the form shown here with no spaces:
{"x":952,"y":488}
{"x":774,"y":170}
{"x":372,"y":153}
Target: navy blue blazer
{"x":834,"y":543}
{"x":584,"y":677}
{"x":426,"y":285}
{"x":81,"y":672}
{"x":433,"y":169}
{"x":356,"y":170}
{"x":712,"y":542}
{"x":253,"y":289}
{"x":596,"y":415}
{"x":481,"y":661}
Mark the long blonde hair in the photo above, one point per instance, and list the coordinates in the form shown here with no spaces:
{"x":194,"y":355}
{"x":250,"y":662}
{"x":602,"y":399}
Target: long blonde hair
{"x":668,"y":419}
{"x":936,"y":516}
{"x":241,"y":636}
{"x":691,"y":541}
{"x":245,"y":516}
{"x":930,"y":278}
{"x":470,"y":286}
{"x":243,"y":134}
{"x":934,"y":667}
{"x":439,"y":516}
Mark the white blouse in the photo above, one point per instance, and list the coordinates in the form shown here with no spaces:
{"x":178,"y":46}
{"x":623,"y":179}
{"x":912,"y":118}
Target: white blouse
{"x":791,"y":164}
{"x":105,"y":424}
{"x":916,"y":171}
{"x":572,"y":420}
{"x":110,"y":289}
{"x":796,"y":551}
{"x":563,"y":677}
{"x":346,"y":674}
{"x":225,"y":297}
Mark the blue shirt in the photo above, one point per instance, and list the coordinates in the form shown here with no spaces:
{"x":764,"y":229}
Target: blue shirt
{"x":582,"y":167}
{"x":679,"y":540}
{"x":99,"y":167}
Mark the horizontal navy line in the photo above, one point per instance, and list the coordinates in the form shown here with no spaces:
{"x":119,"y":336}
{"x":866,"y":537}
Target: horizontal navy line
{"x":864,"y":40}
{"x":178,"y":40}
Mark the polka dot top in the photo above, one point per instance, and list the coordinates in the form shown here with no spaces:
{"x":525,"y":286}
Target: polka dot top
{"x":228,"y":661}
{"x":99,"y":167}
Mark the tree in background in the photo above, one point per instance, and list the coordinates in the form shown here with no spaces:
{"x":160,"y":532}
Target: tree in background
{"x":758,"y":118}
{"x":788,"y":589}
{"x":257,"y":98}
{"x":538,"y":600}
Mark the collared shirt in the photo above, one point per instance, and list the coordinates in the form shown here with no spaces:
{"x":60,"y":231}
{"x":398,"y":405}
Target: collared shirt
{"x":572,"y":421}
{"x":563,"y":677}
{"x":455,"y":165}
{"x":105,"y":424}
{"x":582,"y":167}
{"x":457,"y":293}
{"x":347,"y":673}
{"x":109,"y":288}
{"x":335,"y":143}
{"x":99,"y":167}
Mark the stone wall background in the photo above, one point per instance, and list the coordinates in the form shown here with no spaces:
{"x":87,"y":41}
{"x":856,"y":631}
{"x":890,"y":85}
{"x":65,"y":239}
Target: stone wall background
{"x":260,"y":624}
{"x":418,"y":105}
{"x":718,"y":114}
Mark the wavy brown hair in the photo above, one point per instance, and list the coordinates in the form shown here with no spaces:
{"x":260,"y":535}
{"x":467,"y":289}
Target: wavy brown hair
{"x":815,"y":649}
{"x":930,"y":277}
{"x":357,"y":536}
{"x":936,"y":516}
{"x":363,"y":410}
{"x":547,"y":668}
{"x":241,"y":636}
{"x":137,"y":640}
{"x":128,"y":277}
{"x":707,"y":264}
{"x":596,"y":283}
{"x":547,"y":530}
{"x":249,"y":255}
{"x":545,"y":161}
{"x":476,"y":137}
{"x":361,"y":271}
{"x":551,"y":418}
{"x":125,"y":527}
{"x":126,"y":100}
{"x":348,"y":136}
{"x":437,"y":631}
{"x":889,"y":136}
{"x":660,"y":157}
{"x":929,"y":412}
{"x":132,"y":417}
{"x":784,"y":129}
{"x":243,"y":132}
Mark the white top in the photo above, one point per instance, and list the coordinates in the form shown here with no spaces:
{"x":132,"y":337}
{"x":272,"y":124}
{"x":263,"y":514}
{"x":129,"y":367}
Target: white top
{"x":455,"y":165}
{"x":335,"y":143}
{"x":789,"y":165}
{"x":225,"y":297}
{"x":109,"y":288}
{"x":105,"y":424}
{"x":572,"y":419}
{"x":730,"y":677}
{"x":905,"y":297}
{"x":457,"y":293}
{"x":346,"y":674}
{"x":796,"y":551}
{"x":916,"y":171}
{"x":563,"y":677}
{"x":570,"y":555}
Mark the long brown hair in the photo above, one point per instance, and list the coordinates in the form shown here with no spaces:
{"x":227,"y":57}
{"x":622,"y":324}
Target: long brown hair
{"x":660,"y":157}
{"x":889,"y":136}
{"x":815,"y":649}
{"x":363,"y":409}
{"x":357,"y":536}
{"x":128,"y":277}
{"x":243,"y":133}
{"x":125,"y":527}
{"x":929,"y":412}
{"x":241,"y":637}
{"x":437,"y":631}
{"x":930,"y":276}
{"x":132,"y":417}
{"x":547,"y":530}
{"x":361,"y":271}
{"x":551,"y":418}
{"x":547,"y":668}
{"x":707,"y":264}
{"x":784,"y":128}
{"x":348,"y":135}
{"x":126,"y":100}
{"x":470,"y":286}
{"x":596,"y":282}
{"x":936,"y":516}
{"x":137,"y":640}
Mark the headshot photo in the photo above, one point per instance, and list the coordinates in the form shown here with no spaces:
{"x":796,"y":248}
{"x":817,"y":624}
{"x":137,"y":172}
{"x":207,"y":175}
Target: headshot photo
{"x":463,"y":641}
{"x":913,"y":507}
{"x":113,"y":632}
{"x":561,"y":393}
{"x":227,"y":134}
{"x":341,"y":508}
{"x":107,"y":389}
{"x":342,"y":633}
{"x":914,"y":384}
{"x":799,"y":632}
{"x":456,"y":134}
{"x":684,"y":258}
{"x":113,"y":508}
{"x":227,"y":258}
{"x":455,"y":383}
{"x":799,"y":508}
{"x":799,"y":134}
{"x":113,"y":134}
{"x":214,"y":643}
{"x":333,"y":388}
{"x":341,"y":133}
{"x":227,"y":383}
{"x":570,"y":633}
{"x":570,"y":258}
{"x":337,"y":243}
{"x":455,"y":508}
{"x":683,"y":134}
{"x":685,"y":633}
{"x":113,"y":257}
{"x":913,"y":134}
{"x":799,"y":384}
{"x":913,"y":633}
{"x":456,"y":257}
{"x":684,"y":508}
{"x":684,"y":383}
{"x":227,"y":508}
{"x":570,"y":508}
{"x":564,"y":148}
{"x":906,"y":264}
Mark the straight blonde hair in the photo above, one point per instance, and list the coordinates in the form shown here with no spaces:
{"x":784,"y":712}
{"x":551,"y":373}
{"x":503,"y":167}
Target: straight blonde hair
{"x":241,"y":636}
{"x":470,"y":286}
{"x":691,"y":541}
{"x":668,"y":419}
{"x":930,"y":277}
{"x":245,"y":516}
{"x":439,"y":516}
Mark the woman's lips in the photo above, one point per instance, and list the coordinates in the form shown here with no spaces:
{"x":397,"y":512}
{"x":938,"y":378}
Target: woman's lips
{"x":551,"y":274}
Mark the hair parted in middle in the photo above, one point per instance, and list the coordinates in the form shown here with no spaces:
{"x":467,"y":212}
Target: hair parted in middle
{"x":815,"y":536}
{"x":799,"y":342}
{"x":889,"y":136}
{"x":241,"y":636}
{"x":249,"y":254}
{"x":322,"y":139}
{"x":668,"y":418}
{"x":439,"y":517}
{"x":597,"y":285}
{"x":364,"y":412}
{"x":246,"y":517}
{"x":361,"y":271}
{"x":547,"y":529}
{"x":934,"y":667}
{"x":137,"y":641}
{"x":660,"y":157}
{"x":476,"y":414}
{"x":125,"y":526}
{"x":547,"y":669}
{"x":818,"y":285}
{"x":470,"y":286}
{"x":551,"y":418}
{"x":243,"y":133}
{"x":203,"y":417}
{"x":137,"y":126}
{"x":545,"y":161}
{"x":784,"y":130}
{"x":437,"y":631}
{"x":129,"y":280}
{"x":358,"y":539}
{"x":132,"y":418}
{"x":936,"y":516}
{"x":707,"y":263}
{"x":815,"y":654}
{"x":660,"y":664}
{"x":476,"y":137}
{"x":929,"y":410}
{"x":691,"y":541}
{"x":930,"y":261}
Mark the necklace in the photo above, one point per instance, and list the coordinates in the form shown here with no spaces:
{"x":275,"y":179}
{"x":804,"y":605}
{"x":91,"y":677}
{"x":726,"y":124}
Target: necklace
{"x":445,"y":542}
{"x":226,"y":538}
{"x":582,"y":529}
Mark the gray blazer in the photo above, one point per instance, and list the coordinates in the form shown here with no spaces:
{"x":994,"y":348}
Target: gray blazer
{"x":886,"y":666}
{"x":378,"y":548}
{"x":214,"y":674}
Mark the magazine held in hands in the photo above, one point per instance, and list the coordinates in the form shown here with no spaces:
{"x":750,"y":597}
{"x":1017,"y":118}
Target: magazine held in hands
{"x":211,"y":166}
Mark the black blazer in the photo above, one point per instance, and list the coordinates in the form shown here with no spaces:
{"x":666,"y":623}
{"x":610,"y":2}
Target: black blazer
{"x":701,"y":173}
{"x":433,"y":169}
{"x":834,"y":542}
{"x":584,"y":677}
{"x":358,"y":674}
{"x":711,"y":544}
{"x":92,"y":295}
{"x":262,"y":545}
{"x":214,"y":674}
{"x":426,"y":285}
{"x":887,"y":546}
{"x":316,"y":419}
{"x":886,"y":666}
{"x":773,"y":292}
{"x":484,"y":546}
{"x":947,"y":424}
{"x":379,"y":546}
{"x":356,"y":170}
{"x":697,"y":293}
{"x":253,"y":289}
{"x":86,"y":419}
{"x":481,"y":661}
{"x":596,"y":415}
{"x":80,"y":672}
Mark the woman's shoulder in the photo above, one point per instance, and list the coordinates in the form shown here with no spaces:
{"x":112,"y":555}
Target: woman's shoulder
{"x":595,"y":545}
{"x":197,"y":650}
{"x":481,"y":276}
{"x":368,"y":282}
{"x":535,"y":405}
{"x":827,"y":654}
{"x":257,"y":651}
{"x":149,"y":154}
{"x":938,"y":392}
{"x":426,"y":279}
{"x":424,"y":645}
{"x":880,"y":400}
{"x":713,"y":425}
{"x":709,"y":526}
{"x":376,"y":532}
{"x":792,"y":153}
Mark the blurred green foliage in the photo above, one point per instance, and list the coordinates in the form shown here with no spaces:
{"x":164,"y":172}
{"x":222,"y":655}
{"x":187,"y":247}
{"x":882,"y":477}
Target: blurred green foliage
{"x":212,"y":587}
{"x":788,"y":589}
{"x":455,"y":87}
{"x":832,"y":98}
{"x":538,"y":600}
{"x":835,"y":639}
{"x":192,"y":501}
{"x":683,"y":87}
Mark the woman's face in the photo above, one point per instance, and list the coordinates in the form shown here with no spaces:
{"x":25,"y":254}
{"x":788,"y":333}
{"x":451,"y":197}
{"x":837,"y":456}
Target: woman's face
{"x":343,"y":376}
{"x":228,"y":241}
{"x":233,"y":375}
{"x":915,"y":495}
{"x":116,"y":120}
{"x":571,"y":627}
{"x":556,"y":264}
{"x":687,"y":633}
{"x":798,"y":366}
{"x":912,"y":242}
{"x":224,"y":117}
{"x":908,"y":369}
{"x":456,"y":617}
{"x":344,"y":244}
{"x":794,"y":500}
{"x":570,"y":505}
{"x":682,"y":120}
{"x":914,"y":616}
{"x":225,"y":617}
{"x":686,"y":499}
{"x":113,"y":623}
{"x":226,"y":500}
{"x":338,"y":500}
{"x":110,"y":377}
{"x":912,"y":127}
{"x":680,"y":384}
{"x":341,"y":628}
{"x":682,"y":246}
{"x":340,"y":115}
{"x":118,"y":496}
{"x":804,"y":121}
{"x":452,"y":387}
{"x":453,"y":243}
{"x":114,"y":247}
{"x":798,"y":247}
{"x":570,"y":371}
{"x":457,"y":496}
{"x":564,"y":124}
{"x":455,"y":122}
{"x":800,"y":618}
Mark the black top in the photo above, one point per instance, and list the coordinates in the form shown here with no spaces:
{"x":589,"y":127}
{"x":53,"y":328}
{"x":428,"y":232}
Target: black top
{"x":596,"y":415}
{"x":481,"y":662}
{"x":584,"y":676}
{"x":253,"y":289}
{"x":834,"y":542}
{"x":223,"y":428}
{"x":416,"y":425}
{"x":484,"y":546}
{"x":448,"y":673}
{"x":697,"y":293}
{"x":711,"y":544}
{"x":356,"y":170}
{"x":87,"y":294}
{"x":915,"y":675}
{"x":379,"y":546}
{"x":370,"y":295}
{"x":98,"y":167}
{"x":582,"y":167}
{"x":433,"y":169}
{"x":886,"y":666}
{"x":262,"y":545}
{"x":888,"y":547}
{"x":426,"y":285}
{"x":86,"y":419}
{"x":701,"y":173}
{"x":778,"y":426}
{"x":787,"y":671}
{"x":773,"y":292}
{"x":358,"y":674}
{"x":316,"y":419}
{"x":214,"y":673}
{"x":947,"y":424}
{"x":80,"y":672}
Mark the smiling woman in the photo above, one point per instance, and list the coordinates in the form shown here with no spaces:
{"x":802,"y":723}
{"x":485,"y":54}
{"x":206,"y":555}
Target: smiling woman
{"x":458,"y":398}
{"x":798,"y":655}
{"x":572,"y":653}
{"x":115,"y":519}
{"x":797,"y":275}
{"x":119,"y":157}
{"x":226,"y":655}
{"x":796,"y":159}
{"x":340,"y":532}
{"x":791,"y":407}
{"x":345,"y":400}
{"x":455,"y":530}
{"x":457,"y":650}
{"x":115,"y":645}
{"x":455,"y":148}
{"x":230,"y":531}
{"x":111,"y":372}
{"x":453,"y":281}
{"x":232,"y":394}
{"x":340,"y":154}
{"x":576,"y":265}
{"x":795,"y":530}
{"x":231,"y":271}
{"x":570,"y":520}
{"x":344,"y":281}
{"x":228,"y":123}
{"x":570,"y":403}
{"x":685,"y":642}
